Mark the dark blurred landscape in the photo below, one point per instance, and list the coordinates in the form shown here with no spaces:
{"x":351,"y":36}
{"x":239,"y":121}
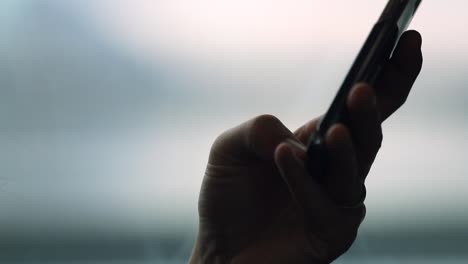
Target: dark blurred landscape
{"x":395,"y":248}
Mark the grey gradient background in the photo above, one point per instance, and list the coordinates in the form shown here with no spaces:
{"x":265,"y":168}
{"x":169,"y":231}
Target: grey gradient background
{"x":108,"y":110}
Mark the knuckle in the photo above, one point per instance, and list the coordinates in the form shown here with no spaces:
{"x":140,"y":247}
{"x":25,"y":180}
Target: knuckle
{"x":218,"y":141}
{"x":216,"y":146}
{"x":264,"y":121}
{"x":260,"y":124}
{"x":221,"y":142}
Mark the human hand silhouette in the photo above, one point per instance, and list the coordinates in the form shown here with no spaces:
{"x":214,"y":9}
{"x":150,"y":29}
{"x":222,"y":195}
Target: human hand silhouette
{"x":258,"y":203}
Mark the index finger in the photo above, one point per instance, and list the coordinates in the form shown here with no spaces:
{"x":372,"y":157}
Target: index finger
{"x":252,"y":140}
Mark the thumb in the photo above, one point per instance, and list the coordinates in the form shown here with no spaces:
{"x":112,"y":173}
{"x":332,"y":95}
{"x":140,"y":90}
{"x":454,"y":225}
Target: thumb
{"x":308,"y":194}
{"x":334,"y":229}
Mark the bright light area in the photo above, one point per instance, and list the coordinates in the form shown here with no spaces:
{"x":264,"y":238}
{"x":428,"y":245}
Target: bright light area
{"x":252,"y":28}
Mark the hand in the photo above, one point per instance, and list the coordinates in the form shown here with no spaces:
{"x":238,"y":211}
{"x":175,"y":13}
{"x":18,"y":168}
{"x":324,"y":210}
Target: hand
{"x":259,"y":205}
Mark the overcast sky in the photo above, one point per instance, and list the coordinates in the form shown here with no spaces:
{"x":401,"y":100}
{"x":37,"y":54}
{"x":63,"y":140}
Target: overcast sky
{"x":103,"y":101}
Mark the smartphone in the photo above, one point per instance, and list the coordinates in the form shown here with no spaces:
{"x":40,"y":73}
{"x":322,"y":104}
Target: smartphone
{"x":367,"y":67}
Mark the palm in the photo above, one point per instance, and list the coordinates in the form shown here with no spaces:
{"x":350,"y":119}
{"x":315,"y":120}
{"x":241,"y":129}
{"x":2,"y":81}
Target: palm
{"x":244,"y":203}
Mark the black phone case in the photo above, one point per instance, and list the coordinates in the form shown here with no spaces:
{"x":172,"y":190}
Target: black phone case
{"x":367,"y":67}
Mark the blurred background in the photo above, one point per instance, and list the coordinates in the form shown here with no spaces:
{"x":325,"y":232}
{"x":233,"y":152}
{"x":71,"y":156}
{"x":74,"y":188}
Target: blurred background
{"x":108,"y":110}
